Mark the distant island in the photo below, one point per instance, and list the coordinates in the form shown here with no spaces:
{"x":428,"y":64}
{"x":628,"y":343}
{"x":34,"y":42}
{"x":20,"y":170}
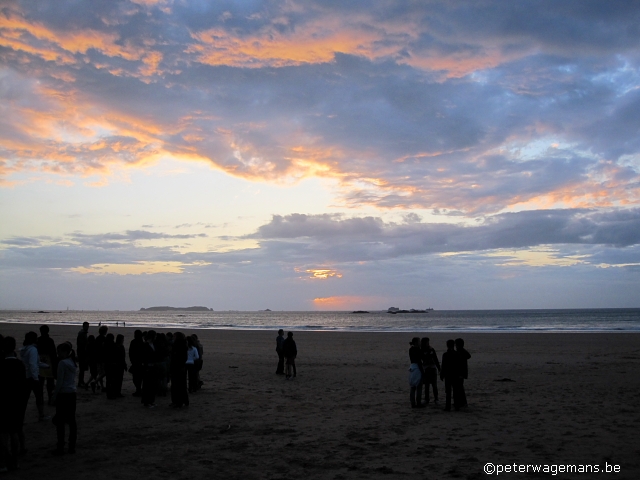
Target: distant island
{"x":395,"y":310}
{"x":180,"y":309}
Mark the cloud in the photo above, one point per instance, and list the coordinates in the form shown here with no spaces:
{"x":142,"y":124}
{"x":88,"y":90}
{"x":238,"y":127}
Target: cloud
{"x":460,"y":108}
{"x":333,"y":238}
{"x":332,"y":247}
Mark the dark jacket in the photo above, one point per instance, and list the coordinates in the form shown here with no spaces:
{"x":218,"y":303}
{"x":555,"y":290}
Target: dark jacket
{"x":463,"y":356}
{"x":135,"y":351}
{"x":13,"y":402}
{"x":289,"y":348}
{"x":415,"y":356}
{"x":149,"y":355}
{"x":81,"y":345}
{"x":179,"y":356}
{"x":430,"y":359}
{"x":450,"y":365}
{"x":46,"y":346}
{"x":116,"y":357}
{"x":100,"y":352}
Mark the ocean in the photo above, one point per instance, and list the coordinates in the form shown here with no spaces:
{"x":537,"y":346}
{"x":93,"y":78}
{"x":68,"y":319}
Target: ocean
{"x":578,"y":320}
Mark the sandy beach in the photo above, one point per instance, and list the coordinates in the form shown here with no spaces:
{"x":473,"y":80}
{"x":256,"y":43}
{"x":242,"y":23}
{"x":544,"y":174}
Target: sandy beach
{"x":573,"y":400}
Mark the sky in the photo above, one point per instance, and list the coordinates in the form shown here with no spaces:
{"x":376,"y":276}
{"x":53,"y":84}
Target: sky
{"x":319,"y":155}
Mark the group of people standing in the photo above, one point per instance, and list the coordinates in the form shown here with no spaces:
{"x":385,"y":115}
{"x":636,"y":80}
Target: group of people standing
{"x":425,"y":368}
{"x":287,"y":353}
{"x":40,"y":363}
{"x":156,"y":360}
{"x":159,"y":362}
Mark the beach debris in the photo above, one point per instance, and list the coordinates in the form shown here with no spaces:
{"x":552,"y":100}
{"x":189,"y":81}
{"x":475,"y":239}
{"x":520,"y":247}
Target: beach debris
{"x":232,"y":366}
{"x":225,"y":429}
{"x":504,"y":380}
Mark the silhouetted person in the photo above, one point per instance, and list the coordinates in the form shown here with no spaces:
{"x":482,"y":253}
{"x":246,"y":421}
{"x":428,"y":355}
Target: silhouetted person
{"x":164,"y":351}
{"x":108,"y":349}
{"x":199,"y":362}
{"x":65,"y":398}
{"x":463,"y":368}
{"x":162,"y":357}
{"x":13,"y":404}
{"x":290,"y":352}
{"x":450,"y":373}
{"x":136,"y":347}
{"x":179,"y":395}
{"x":48,"y":356}
{"x":92,"y":359}
{"x":101,"y":356}
{"x":192,"y":356}
{"x":415,"y":373}
{"x":150,"y":371}
{"x":117,"y":366}
{"x":279,"y":346}
{"x":30,"y":358}
{"x":81,"y":352}
{"x":431,"y":369}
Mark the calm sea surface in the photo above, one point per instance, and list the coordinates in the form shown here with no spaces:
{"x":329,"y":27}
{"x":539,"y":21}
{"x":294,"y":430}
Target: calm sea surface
{"x":582,"y":320}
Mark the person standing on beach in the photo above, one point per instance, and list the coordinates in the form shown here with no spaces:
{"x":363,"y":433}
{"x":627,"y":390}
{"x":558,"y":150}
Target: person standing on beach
{"x":109,"y":367}
{"x":136,"y":347}
{"x":290,"y":352}
{"x":101,"y":356}
{"x":178,"y":366}
{"x":416,"y":373}
{"x":48,"y":356}
{"x":150,"y":372}
{"x":431,"y":368}
{"x":65,"y":398}
{"x":279,"y":346}
{"x":192,"y":356}
{"x":92,"y":360}
{"x":450,"y":373}
{"x":29,"y":356}
{"x":199,"y":362}
{"x":463,"y":356}
{"x":117,"y":365}
{"x":81,"y":351}
{"x":13,"y":404}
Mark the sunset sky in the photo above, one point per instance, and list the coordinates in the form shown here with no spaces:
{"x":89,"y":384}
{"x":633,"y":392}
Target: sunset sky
{"x":319,"y":155}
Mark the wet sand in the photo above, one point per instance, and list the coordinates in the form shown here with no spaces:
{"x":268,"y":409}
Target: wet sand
{"x":573,"y":400}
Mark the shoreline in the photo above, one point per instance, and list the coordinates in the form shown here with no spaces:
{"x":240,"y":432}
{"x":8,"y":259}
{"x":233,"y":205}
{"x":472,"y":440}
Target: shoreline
{"x":408,"y":331}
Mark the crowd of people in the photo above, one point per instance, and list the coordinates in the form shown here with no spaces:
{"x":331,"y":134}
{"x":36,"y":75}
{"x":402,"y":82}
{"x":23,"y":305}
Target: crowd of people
{"x":425,"y":368}
{"x":158,"y":362}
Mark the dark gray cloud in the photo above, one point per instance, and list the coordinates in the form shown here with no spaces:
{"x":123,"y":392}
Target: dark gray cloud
{"x":334,"y":238}
{"x":131,"y":236}
{"x":311,"y":240}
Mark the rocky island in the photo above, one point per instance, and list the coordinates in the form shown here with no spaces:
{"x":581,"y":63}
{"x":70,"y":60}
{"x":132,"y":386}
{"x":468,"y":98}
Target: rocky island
{"x":180,"y":309}
{"x":395,"y":310}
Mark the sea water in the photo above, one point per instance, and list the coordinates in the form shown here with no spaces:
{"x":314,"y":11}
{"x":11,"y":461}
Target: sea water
{"x":578,"y":320}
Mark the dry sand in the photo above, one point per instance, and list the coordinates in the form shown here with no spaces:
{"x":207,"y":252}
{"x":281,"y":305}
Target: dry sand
{"x":574,"y":400}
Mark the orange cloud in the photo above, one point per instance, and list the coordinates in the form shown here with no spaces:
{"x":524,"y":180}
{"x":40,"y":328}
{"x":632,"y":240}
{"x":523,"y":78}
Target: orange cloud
{"x":320,"y":39}
{"x":323,"y":273}
{"x":313,"y":44}
{"x":34,"y":38}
